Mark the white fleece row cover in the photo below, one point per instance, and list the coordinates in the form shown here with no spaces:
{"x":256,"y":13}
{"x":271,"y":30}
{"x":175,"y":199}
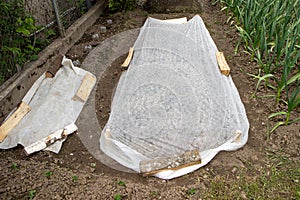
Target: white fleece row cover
{"x":53,"y":108}
{"x":172,"y":99}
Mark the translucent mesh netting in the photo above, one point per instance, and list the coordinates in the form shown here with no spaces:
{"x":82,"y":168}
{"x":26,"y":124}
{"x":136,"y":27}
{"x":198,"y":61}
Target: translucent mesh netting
{"x":173,"y":97}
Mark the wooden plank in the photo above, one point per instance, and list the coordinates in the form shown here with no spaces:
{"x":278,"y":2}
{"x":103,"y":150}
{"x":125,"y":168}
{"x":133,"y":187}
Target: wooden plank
{"x":128,"y":59}
{"x":188,"y":158}
{"x":238,"y":137}
{"x":49,"y":74}
{"x":85,"y":88}
{"x":182,"y":20}
{"x":223,"y":65}
{"x":50,"y":139}
{"x":13,"y":120}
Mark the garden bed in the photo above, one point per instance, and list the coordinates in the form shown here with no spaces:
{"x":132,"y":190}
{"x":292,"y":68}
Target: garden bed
{"x":267,"y":167}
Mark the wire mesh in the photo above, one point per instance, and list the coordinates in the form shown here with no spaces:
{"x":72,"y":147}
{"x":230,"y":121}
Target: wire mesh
{"x":44,"y":13}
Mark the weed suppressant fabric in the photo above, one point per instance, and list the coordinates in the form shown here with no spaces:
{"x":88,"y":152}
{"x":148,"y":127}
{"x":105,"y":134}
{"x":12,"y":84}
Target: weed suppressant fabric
{"x":48,"y":111}
{"x":173,"y":110}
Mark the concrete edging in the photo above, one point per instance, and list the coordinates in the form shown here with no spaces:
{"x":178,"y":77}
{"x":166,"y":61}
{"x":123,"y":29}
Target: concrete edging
{"x":14,"y":89}
{"x":96,"y":62}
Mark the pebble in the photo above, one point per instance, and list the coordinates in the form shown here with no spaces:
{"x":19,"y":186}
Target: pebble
{"x":109,"y":21}
{"x":95,"y":36}
{"x":58,"y":161}
{"x":76,"y":63}
{"x":243,"y":195}
{"x":24,"y":190}
{"x":93,"y":164}
{"x":103,"y":29}
{"x":234,"y":170}
{"x":88,"y":47}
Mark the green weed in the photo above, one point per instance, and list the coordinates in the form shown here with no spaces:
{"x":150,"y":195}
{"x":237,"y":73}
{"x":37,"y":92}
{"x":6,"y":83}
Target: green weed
{"x":48,"y":174}
{"x":118,"y":197}
{"x":14,"y":166}
{"x":31,"y":194}
{"x":74,"y":178}
{"x":154,"y":193}
{"x":191,"y":191}
{"x":278,"y":178}
{"x":121,"y":183}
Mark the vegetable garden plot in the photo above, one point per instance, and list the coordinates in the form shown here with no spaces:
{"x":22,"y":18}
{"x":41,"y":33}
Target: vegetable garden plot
{"x":173,"y":110}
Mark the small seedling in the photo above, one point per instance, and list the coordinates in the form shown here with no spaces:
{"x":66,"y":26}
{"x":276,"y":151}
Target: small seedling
{"x":154,"y":193}
{"x":93,"y":164}
{"x":31,"y":194}
{"x":118,"y":197}
{"x":48,"y":174}
{"x":121,"y":183}
{"x":74,"y":178}
{"x":14,"y":166}
{"x":191,"y":191}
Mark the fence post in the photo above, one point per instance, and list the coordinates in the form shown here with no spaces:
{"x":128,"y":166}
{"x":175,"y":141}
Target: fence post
{"x":59,"y":24}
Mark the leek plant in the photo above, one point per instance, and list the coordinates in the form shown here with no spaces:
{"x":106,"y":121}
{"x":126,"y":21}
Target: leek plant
{"x":270,"y":32}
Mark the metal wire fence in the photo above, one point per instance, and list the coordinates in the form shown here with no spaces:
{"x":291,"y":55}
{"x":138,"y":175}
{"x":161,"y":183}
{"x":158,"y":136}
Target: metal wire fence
{"x":56,"y":15}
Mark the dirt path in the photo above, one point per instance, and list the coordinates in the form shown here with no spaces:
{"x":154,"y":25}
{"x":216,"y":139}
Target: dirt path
{"x":75,"y":174}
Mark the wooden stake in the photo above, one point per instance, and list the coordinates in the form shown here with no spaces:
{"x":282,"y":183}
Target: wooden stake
{"x":85,"y":88}
{"x":222,"y":63}
{"x":13,"y":120}
{"x":129,"y":58}
{"x":188,"y":158}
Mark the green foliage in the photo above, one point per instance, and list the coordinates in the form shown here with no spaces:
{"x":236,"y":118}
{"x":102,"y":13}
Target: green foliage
{"x":121,"y":5}
{"x":278,"y":179}
{"x":74,"y":178}
{"x":82,"y":6}
{"x":191,"y":191}
{"x":31,"y":194}
{"x":118,"y":197}
{"x":270,"y":31}
{"x":154,"y":193}
{"x":14,"y":166}
{"x":48,"y":174}
{"x":18,"y":43}
{"x":121,"y":183}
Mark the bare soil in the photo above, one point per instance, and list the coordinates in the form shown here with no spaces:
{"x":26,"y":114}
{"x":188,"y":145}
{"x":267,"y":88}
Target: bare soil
{"x":75,"y":174}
